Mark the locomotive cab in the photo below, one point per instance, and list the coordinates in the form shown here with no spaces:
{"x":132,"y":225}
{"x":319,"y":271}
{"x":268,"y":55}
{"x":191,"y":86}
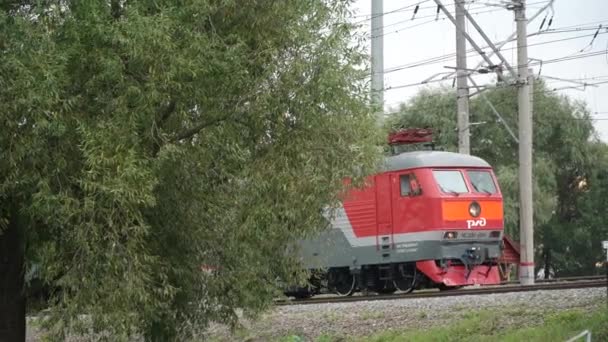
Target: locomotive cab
{"x":467,"y":209}
{"x":447,"y":214}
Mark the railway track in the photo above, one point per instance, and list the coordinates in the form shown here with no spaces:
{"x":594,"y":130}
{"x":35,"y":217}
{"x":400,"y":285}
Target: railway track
{"x":554,"y":280}
{"x":545,"y":284}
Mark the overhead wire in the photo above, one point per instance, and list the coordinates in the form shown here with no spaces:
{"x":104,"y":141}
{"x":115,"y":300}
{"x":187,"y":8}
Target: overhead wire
{"x":472,"y":52}
{"x":420,"y":24}
{"x":567,"y":29}
{"x":400,"y":9}
{"x":572,"y":118}
{"x":435,"y":16}
{"x":581,"y":79}
{"x":568,"y":58}
{"x":514,"y":39}
{"x":580,"y":24}
{"x":424,"y":23}
{"x":555,"y":60}
{"x":422,"y":17}
{"x":529,"y":35}
{"x":416,"y":7}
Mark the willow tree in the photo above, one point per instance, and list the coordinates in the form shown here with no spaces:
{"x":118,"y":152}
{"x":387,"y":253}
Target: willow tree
{"x":144,"y":139}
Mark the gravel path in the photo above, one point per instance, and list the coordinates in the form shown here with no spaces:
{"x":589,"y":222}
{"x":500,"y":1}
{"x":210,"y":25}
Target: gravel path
{"x":369,"y":317}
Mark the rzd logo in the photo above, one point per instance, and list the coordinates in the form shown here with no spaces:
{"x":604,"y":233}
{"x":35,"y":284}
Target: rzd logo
{"x":476,"y":223}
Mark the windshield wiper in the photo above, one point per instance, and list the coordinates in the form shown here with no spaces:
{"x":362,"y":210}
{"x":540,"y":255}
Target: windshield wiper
{"x":449,"y":191}
{"x":482,"y":190}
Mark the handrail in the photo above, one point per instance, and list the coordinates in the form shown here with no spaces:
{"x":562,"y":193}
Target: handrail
{"x":585,"y":333}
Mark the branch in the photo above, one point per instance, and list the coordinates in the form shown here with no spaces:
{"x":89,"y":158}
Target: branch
{"x":192,"y":131}
{"x":197,"y":128}
{"x":164,"y":115}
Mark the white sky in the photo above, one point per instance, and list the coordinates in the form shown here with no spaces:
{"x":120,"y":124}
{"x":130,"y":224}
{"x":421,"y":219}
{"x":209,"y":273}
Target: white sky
{"x":407,"y":41}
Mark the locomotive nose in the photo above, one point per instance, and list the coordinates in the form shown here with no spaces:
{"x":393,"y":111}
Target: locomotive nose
{"x":472,"y":213}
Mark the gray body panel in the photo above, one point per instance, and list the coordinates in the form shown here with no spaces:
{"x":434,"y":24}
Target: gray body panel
{"x":332,"y":249}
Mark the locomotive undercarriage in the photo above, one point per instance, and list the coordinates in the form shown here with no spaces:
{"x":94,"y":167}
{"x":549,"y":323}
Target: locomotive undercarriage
{"x":344,"y":281}
{"x":341,"y":268}
{"x":404,"y":276}
{"x":383,"y":279}
{"x":379,"y":279}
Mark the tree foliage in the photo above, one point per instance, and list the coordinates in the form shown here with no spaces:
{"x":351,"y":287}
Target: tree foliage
{"x":142,"y":139}
{"x":566,"y":155}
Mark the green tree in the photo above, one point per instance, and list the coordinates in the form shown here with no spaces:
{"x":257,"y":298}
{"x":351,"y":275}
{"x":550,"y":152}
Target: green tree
{"x":565,"y":146}
{"x":578,"y":246}
{"x":144,"y":139}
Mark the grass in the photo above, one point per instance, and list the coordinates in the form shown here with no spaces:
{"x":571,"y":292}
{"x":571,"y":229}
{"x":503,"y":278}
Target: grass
{"x":372,"y":315}
{"x":494,"y":326}
{"x":509,"y":324}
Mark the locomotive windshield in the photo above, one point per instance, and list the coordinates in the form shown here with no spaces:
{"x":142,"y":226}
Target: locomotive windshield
{"x":450,"y":181}
{"x":482,"y":181}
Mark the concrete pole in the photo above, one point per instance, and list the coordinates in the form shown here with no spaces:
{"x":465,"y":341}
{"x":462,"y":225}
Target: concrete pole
{"x":462,"y":100}
{"x":378,"y":58}
{"x":526,"y":213}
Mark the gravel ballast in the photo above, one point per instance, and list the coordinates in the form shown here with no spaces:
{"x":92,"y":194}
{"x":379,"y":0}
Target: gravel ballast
{"x":364,"y":318}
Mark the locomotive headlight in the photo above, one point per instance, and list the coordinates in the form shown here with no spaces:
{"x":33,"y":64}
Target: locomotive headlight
{"x":450,"y":235}
{"x":475,"y":209}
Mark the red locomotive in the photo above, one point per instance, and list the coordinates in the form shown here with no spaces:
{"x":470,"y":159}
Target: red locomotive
{"x":428,"y":219}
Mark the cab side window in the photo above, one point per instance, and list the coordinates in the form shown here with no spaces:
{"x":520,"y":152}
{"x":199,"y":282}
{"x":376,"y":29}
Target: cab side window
{"x":409,"y":185}
{"x":405,"y":185}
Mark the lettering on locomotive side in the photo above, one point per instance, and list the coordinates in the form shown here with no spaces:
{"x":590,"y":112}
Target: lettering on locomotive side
{"x":407,"y":245}
{"x":476,"y":223}
{"x":410,"y":247}
{"x":407,"y":250}
{"x":474,"y":235}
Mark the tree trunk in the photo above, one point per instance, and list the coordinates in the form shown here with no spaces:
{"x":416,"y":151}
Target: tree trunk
{"x":12,"y":296}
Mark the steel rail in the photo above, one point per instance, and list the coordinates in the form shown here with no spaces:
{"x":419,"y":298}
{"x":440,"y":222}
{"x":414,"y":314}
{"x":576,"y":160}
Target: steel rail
{"x":554,"y":280}
{"x":558,"y":285}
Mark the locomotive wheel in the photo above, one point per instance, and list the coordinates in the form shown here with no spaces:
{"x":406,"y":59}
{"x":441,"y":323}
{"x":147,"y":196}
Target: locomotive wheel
{"x":404,"y":284}
{"x":342,"y":282}
{"x":386,"y":287}
{"x":406,"y":280}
